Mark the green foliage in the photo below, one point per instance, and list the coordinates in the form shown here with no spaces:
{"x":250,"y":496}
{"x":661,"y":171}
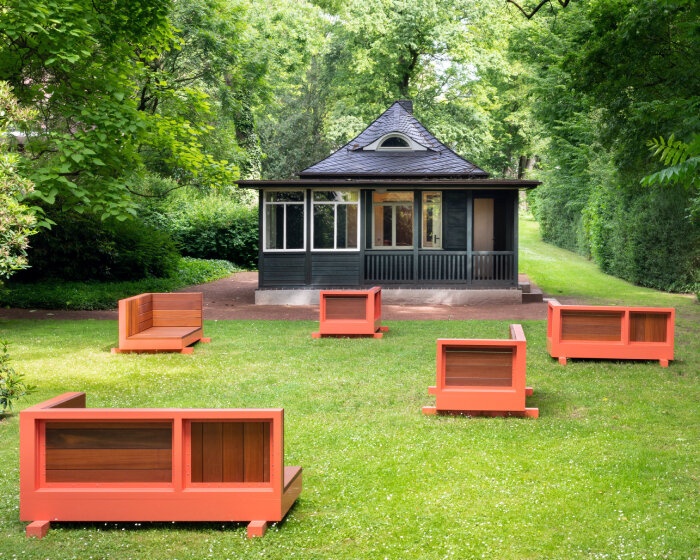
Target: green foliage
{"x":12,"y":385}
{"x":17,"y":220}
{"x":91,"y":295}
{"x":209,"y":227}
{"x":82,"y":247}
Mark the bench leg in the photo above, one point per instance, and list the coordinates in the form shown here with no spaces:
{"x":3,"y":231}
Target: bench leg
{"x":315,"y":335}
{"x":38,"y":529}
{"x":383,"y":329}
{"x":429,"y":410}
{"x":562,"y":360}
{"x":663,"y":363}
{"x":529,"y":391}
{"x":532,"y":413}
{"x":257,"y":529}
{"x":378,"y":335}
{"x":187,"y":350}
{"x":205,"y":340}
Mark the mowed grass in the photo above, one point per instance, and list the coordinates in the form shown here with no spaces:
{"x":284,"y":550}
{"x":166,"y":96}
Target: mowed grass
{"x":609,"y":470}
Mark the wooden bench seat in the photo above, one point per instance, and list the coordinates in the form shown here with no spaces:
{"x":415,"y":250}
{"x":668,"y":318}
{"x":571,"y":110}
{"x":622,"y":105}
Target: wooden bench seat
{"x":610,"y":332}
{"x":165,"y":332}
{"x":102,"y":464}
{"x":482,"y":377}
{"x":350,"y":313}
{"x":160,"y":323}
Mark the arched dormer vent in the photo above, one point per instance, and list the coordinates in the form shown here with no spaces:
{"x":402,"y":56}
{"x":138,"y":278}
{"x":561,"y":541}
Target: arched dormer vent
{"x":395,"y":142}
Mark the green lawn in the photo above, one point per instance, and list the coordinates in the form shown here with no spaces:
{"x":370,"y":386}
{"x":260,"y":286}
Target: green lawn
{"x":609,"y":470}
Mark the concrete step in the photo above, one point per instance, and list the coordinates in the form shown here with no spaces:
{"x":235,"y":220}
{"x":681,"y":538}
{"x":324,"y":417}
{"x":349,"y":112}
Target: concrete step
{"x":533,"y":296}
{"x":524,"y":287}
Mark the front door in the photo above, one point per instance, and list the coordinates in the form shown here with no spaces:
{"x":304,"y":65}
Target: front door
{"x":483,"y":224}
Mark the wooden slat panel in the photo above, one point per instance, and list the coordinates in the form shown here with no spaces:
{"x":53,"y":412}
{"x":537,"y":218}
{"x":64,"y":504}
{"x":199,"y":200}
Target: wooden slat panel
{"x":212,"y":456}
{"x":648,"y":327}
{"x":107,"y":475}
{"x":266,"y":452}
{"x":165,"y":332}
{"x":176,"y":301}
{"x":253,"y":449}
{"x":233,"y":470}
{"x":196,"y":451}
{"x":581,"y":325}
{"x":109,"y":438}
{"x":99,"y":425}
{"x":346,"y":307}
{"x":480,"y":376}
{"x":499,"y":356}
{"x":177,"y":321}
{"x":95,"y":459}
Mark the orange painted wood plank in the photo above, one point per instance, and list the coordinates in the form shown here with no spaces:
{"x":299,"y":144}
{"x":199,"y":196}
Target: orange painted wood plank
{"x":212,"y":452}
{"x":196,"y":451}
{"x":96,"y":459}
{"x":267,"y":451}
{"x":233,"y":468}
{"x":108,"y":475}
{"x":109,"y":438}
{"x":253,"y":450}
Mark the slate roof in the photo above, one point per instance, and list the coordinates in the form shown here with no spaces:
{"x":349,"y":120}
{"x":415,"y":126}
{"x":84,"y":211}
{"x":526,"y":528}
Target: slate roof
{"x":352,"y":161}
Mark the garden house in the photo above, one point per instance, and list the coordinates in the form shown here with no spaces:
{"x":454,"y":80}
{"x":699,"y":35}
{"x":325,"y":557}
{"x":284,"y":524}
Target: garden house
{"x":394,"y":208}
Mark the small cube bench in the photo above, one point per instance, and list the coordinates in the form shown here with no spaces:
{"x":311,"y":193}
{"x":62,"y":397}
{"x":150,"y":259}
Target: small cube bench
{"x":482,"y":377}
{"x":93,"y":464}
{"x":610,"y":332}
{"x":160,"y":323}
{"x":351,"y":313}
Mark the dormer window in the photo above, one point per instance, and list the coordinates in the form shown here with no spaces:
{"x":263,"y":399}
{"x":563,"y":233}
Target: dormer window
{"x":395,"y":142}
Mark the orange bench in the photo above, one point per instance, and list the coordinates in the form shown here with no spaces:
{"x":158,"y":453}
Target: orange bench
{"x":93,"y":464}
{"x":607,"y":332}
{"x":482,"y":377}
{"x":160,"y":322}
{"x":351,"y":313}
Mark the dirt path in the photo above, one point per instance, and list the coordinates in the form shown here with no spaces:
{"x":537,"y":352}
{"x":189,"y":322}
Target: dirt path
{"x":234,"y":298}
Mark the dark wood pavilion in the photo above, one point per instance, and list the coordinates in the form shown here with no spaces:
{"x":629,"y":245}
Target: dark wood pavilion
{"x":394,"y":207}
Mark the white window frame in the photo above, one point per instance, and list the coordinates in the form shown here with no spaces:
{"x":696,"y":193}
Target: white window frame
{"x":422,"y":222}
{"x":413,"y":146}
{"x":393,"y":205}
{"x":284,"y":222}
{"x":335,"y":204}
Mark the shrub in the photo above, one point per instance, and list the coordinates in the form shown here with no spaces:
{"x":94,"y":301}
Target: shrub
{"x":62,"y":294}
{"x":12,"y":385}
{"x":210,"y":227}
{"x":82,"y":247}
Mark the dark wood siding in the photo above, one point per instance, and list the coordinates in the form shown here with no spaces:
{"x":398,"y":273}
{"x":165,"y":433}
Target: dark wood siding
{"x":283,"y":270}
{"x":454,"y":231}
{"x":335,"y":269}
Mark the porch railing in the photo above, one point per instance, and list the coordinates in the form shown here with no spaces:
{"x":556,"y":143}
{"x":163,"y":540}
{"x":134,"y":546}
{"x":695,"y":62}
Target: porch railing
{"x":449,"y":267}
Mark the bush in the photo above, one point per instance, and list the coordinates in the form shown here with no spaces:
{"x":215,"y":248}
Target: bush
{"x":82,"y":247}
{"x":61,"y":294}
{"x":209,"y":227}
{"x":12,"y":385}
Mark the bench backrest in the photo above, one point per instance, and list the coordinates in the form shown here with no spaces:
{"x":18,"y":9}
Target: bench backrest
{"x":144,"y":311}
{"x":481,"y":363}
{"x":64,"y":445}
{"x":572,"y":323}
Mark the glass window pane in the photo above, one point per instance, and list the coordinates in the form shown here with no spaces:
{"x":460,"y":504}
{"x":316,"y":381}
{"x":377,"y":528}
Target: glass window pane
{"x":323,"y":226}
{"x":336,"y":196}
{"x":393,"y":197}
{"x":394,"y":142}
{"x":284,"y":196}
{"x":347,"y":226}
{"x":295,"y":226}
{"x":432,"y":220}
{"x":404,"y":226}
{"x":274,"y":227}
{"x":382,"y":226}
